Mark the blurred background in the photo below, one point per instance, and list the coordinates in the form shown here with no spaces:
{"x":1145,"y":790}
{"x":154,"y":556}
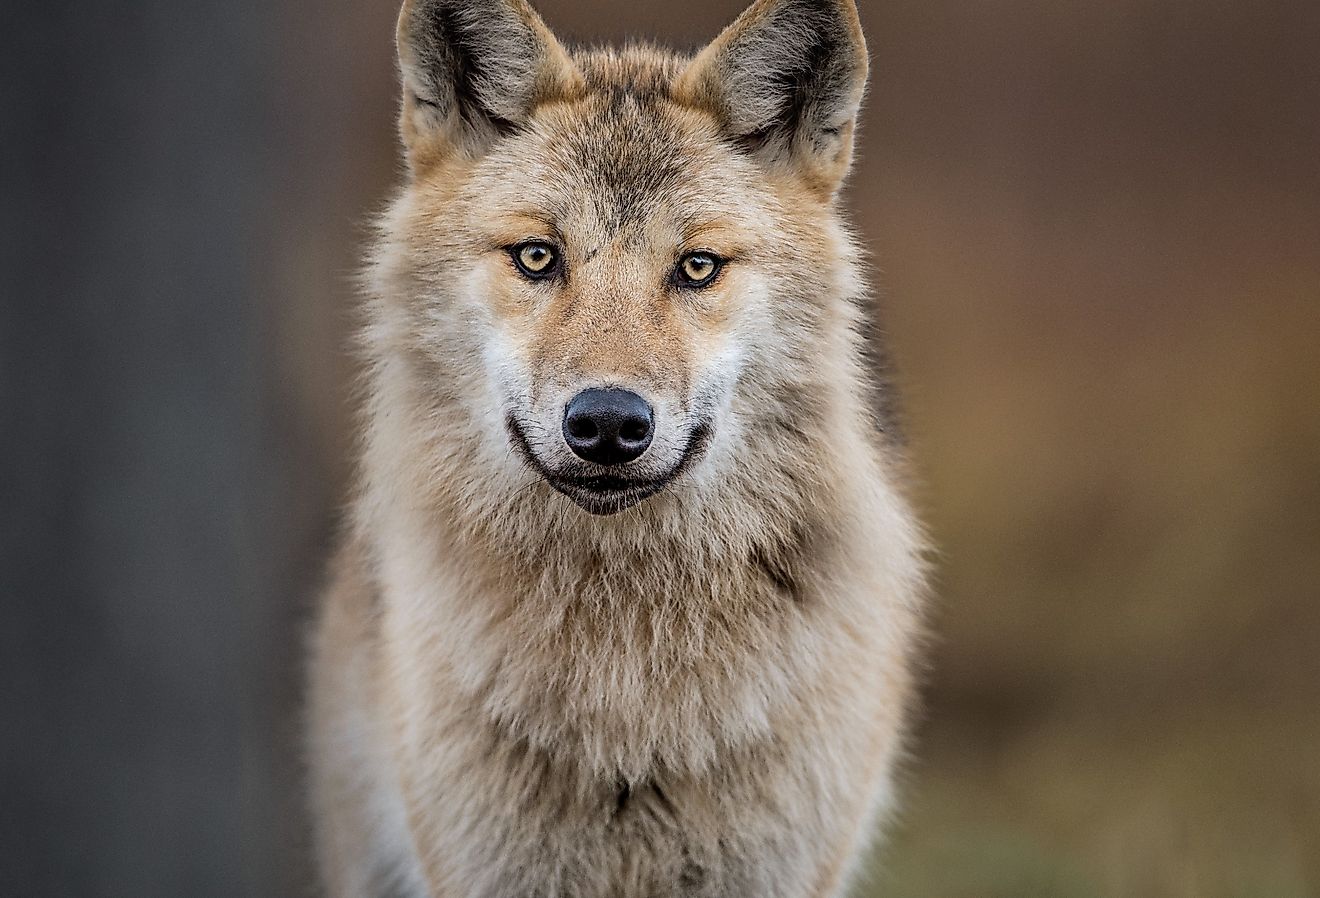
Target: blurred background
{"x":1096,"y":232}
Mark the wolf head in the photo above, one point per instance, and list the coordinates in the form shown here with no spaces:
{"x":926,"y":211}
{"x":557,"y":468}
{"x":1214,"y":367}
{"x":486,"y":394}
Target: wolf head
{"x":619,"y":272}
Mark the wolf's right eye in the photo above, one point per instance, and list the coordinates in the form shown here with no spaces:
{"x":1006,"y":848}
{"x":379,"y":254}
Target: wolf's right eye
{"x":697,"y":270}
{"x":535,"y":259}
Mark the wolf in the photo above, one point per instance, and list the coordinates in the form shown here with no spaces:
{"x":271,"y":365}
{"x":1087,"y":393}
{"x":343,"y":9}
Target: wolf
{"x":629,"y":600}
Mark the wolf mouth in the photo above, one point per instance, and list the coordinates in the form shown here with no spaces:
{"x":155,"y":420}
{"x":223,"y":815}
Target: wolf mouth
{"x":607,"y":494}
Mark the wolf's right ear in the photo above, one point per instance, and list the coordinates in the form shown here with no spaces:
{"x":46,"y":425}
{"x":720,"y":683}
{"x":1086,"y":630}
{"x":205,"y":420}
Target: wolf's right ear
{"x":473,"y":70}
{"x":786,"y":80}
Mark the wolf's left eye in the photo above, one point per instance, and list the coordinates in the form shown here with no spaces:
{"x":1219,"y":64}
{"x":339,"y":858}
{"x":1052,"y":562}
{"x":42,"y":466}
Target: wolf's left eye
{"x":697,"y":269}
{"x":536,"y":259}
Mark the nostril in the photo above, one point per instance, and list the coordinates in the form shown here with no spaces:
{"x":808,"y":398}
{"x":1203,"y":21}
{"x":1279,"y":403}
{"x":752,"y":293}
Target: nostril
{"x":582,"y":428}
{"x":634,"y":429}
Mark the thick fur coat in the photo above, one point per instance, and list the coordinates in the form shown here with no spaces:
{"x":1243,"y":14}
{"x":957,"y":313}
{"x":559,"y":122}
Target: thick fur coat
{"x":687,"y":674}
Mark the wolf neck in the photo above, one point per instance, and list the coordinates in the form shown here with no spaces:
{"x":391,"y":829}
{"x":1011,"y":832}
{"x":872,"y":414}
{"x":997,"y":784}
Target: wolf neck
{"x":546,"y":620}
{"x":642,"y":653}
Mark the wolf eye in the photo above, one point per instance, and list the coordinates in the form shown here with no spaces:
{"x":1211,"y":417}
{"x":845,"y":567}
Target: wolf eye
{"x":536,"y":259}
{"x":697,"y":269}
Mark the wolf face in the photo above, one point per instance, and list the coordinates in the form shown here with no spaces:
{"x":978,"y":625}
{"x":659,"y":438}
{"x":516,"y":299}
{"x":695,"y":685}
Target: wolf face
{"x":626,"y":258}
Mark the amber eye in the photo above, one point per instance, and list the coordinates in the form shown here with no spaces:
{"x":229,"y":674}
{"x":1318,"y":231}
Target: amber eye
{"x":697,"y":269}
{"x":536,"y":259}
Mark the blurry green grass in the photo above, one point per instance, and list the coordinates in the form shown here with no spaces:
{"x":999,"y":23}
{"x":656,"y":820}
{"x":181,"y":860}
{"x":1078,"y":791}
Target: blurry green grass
{"x":1214,"y":805}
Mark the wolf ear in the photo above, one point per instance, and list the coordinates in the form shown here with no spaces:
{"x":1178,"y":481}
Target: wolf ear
{"x":786,"y":80}
{"x":473,"y":70}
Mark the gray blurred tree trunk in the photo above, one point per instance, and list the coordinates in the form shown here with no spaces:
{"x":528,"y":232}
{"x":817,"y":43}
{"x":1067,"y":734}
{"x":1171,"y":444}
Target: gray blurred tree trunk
{"x":165,"y":484}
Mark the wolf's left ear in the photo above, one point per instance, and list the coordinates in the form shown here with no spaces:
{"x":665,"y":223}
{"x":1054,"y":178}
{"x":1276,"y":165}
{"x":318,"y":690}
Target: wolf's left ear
{"x":786,"y":80}
{"x":473,"y":70}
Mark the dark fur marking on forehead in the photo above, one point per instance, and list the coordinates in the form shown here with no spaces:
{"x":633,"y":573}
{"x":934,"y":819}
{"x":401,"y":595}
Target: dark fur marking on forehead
{"x":630,"y":158}
{"x":629,"y":153}
{"x":637,"y":70}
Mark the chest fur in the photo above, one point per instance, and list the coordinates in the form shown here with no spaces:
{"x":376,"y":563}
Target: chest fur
{"x":622,"y":664}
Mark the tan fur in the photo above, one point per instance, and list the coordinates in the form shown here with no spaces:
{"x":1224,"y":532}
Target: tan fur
{"x":702,"y":694}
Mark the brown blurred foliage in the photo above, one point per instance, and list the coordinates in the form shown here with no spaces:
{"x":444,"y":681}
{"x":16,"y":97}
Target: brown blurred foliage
{"x":1099,"y":226}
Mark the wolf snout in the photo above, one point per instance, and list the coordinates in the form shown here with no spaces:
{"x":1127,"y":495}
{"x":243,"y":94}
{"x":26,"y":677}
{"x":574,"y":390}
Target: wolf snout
{"x":608,"y":426}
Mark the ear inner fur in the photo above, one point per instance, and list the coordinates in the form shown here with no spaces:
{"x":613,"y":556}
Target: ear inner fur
{"x":786,"y":80}
{"x":473,"y":70}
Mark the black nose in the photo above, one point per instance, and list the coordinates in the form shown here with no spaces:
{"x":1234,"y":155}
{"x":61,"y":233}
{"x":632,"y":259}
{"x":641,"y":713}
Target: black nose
{"x":608,"y":427}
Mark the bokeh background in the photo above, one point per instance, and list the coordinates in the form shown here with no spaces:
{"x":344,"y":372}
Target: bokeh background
{"x":1096,"y":232}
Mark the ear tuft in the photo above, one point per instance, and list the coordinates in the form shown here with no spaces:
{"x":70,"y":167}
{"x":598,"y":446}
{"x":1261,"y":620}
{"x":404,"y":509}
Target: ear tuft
{"x":473,"y":70}
{"x":786,"y":80}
